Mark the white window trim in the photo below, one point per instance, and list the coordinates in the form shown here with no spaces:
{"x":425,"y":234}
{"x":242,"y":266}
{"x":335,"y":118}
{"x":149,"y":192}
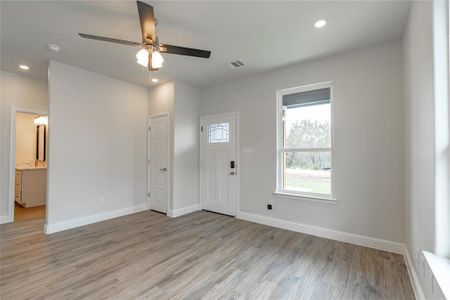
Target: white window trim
{"x":294,"y":194}
{"x":440,"y":269}
{"x":439,"y":261}
{"x":307,"y":197}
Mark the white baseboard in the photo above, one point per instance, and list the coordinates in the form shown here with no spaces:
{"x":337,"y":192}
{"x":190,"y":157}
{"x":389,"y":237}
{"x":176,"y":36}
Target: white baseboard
{"x":415,"y":282}
{"x":60,"y":226}
{"x":347,"y":237}
{"x":183,"y":211}
{"x":5,"y":219}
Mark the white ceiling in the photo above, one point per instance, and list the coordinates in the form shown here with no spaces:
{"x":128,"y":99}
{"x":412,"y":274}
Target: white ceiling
{"x":265,"y":35}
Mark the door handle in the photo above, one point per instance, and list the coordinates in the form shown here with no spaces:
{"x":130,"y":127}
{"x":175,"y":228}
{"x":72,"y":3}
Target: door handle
{"x":163,"y":169}
{"x":233,"y":173}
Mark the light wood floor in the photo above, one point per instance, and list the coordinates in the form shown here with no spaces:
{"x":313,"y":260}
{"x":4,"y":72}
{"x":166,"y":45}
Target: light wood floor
{"x":199,"y":256}
{"x":32,"y":213}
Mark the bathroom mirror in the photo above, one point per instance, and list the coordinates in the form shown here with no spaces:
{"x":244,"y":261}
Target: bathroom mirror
{"x":41,"y":142}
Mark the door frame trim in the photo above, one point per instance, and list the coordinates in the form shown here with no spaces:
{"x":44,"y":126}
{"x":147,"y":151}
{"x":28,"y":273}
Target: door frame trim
{"x":12,"y":160}
{"x":236,"y":114}
{"x":169,"y":159}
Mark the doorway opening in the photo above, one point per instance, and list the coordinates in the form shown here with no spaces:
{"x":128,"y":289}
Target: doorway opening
{"x":28,"y":165}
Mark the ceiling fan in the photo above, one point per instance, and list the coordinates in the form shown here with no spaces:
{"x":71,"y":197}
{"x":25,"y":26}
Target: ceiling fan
{"x":150,"y":54}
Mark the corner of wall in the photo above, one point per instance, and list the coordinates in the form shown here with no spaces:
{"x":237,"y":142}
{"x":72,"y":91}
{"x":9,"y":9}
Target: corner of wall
{"x":185,"y":150}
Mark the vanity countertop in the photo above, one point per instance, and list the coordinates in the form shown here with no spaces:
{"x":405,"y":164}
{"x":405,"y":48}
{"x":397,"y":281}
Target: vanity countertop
{"x":23,"y":168}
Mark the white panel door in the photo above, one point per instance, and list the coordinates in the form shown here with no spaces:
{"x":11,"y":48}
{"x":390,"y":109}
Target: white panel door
{"x":158,"y":170}
{"x":218,"y":164}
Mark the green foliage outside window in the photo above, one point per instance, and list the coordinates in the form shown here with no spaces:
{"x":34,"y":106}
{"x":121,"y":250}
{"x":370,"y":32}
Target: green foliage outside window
{"x":308,"y":134}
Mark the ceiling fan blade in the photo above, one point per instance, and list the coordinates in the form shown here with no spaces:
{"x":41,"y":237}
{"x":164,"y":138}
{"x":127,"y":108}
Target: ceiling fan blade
{"x":147,"y":20}
{"x":184,"y":51}
{"x":107,"y":39}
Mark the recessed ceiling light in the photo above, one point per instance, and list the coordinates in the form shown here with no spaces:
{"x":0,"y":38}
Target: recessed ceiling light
{"x":320,"y":23}
{"x":53,"y":47}
{"x":155,"y":79}
{"x":24,"y":67}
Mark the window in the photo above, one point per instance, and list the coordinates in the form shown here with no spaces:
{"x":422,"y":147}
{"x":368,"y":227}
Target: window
{"x":218,"y":133}
{"x":305,"y":141}
{"x":441,"y":129}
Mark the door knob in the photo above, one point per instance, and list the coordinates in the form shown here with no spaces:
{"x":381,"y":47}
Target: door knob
{"x":233,"y":173}
{"x":163,"y":169}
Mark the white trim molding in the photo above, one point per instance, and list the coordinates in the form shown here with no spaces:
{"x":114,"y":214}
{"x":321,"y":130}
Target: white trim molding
{"x":321,"y":199}
{"x":415,"y":282}
{"x":78,"y":222}
{"x":173,"y":213}
{"x":440,"y":271}
{"x":5,"y":219}
{"x":12,"y":158}
{"x":346,"y":237}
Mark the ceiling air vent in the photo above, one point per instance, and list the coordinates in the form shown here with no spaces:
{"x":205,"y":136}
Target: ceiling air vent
{"x":236,"y":64}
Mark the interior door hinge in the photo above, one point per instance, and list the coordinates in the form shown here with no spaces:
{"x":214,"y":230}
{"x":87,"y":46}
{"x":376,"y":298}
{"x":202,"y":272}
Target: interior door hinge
{"x":149,"y":128}
{"x":201,"y":128}
{"x":148,"y":195}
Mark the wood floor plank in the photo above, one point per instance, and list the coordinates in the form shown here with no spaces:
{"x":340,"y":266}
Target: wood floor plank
{"x":198,"y":256}
{"x":31,"y":213}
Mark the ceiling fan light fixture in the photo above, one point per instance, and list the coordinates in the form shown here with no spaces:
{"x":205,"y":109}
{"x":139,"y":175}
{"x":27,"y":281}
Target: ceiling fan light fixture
{"x":41,"y":120}
{"x":142,"y":57}
{"x":157,"y":60}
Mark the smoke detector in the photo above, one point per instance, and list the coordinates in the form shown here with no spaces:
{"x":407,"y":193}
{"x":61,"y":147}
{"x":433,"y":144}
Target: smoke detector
{"x":236,"y":64}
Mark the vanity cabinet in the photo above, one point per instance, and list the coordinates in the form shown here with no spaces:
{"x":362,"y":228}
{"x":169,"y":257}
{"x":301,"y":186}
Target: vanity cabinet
{"x":31,"y":186}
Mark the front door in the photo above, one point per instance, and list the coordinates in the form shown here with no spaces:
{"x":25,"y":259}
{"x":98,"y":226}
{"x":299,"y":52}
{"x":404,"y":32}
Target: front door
{"x":158,"y":141}
{"x":218,"y":163}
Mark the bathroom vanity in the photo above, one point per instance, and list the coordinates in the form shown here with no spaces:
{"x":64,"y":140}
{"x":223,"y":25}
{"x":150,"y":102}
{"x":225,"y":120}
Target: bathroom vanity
{"x":31,"y":186}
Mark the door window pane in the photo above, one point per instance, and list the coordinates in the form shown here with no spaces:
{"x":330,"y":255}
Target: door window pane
{"x":219,"y":133}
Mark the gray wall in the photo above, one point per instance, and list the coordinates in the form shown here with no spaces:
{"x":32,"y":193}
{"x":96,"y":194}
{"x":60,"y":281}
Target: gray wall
{"x":419,"y":138}
{"x":368,"y":140}
{"x":161,"y":98}
{"x":182,"y":102}
{"x":20,"y":92}
{"x":98,"y":138}
{"x":186,"y":145}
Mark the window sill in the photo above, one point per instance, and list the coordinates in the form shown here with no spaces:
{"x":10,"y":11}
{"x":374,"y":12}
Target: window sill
{"x":440,"y":267}
{"x":313,"y":198}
